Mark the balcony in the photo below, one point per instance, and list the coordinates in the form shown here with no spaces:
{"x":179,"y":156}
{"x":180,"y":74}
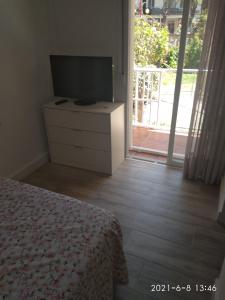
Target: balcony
{"x":153,"y":95}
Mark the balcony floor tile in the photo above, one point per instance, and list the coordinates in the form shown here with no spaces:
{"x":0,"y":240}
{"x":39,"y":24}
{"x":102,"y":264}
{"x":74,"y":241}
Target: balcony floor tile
{"x":157,"y":140}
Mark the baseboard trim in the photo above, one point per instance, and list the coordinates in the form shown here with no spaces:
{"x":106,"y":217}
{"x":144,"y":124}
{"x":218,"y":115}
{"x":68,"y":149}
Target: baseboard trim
{"x":30,"y":167}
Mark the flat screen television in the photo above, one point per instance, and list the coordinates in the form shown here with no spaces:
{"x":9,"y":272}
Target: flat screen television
{"x":82,"y":78}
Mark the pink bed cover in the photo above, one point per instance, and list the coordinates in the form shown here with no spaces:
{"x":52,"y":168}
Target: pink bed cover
{"x":56,"y":247}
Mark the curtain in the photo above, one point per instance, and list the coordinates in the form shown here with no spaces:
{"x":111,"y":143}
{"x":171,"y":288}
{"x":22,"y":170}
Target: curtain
{"x":205,"y":151}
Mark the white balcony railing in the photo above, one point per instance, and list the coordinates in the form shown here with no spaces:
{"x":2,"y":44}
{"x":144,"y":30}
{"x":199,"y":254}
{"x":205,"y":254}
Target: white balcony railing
{"x":153,"y":95}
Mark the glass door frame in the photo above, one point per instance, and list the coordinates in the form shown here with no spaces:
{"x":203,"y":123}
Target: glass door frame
{"x":128,"y":56}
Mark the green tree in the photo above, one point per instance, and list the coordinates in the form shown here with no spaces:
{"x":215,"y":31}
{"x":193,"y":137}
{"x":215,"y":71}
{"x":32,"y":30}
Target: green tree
{"x":195,"y":43}
{"x":151,"y":44}
{"x":193,"y":52}
{"x":171,"y":58}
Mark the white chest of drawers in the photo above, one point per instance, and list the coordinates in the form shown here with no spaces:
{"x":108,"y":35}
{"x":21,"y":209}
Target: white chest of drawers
{"x":88,"y":137}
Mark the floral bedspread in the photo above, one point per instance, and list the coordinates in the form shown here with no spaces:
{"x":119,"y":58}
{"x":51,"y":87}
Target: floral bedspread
{"x":56,"y":247}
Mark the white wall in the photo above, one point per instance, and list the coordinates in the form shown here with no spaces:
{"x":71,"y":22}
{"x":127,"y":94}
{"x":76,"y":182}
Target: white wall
{"x":159,"y":3}
{"x":24,"y":83}
{"x":89,"y":28}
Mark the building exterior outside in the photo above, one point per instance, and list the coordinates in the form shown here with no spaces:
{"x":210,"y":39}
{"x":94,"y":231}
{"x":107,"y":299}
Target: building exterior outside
{"x":168,"y":12}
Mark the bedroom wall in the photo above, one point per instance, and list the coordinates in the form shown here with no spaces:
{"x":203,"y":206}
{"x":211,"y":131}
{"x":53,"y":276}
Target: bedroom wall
{"x":89,"y":28}
{"x":25,"y":85}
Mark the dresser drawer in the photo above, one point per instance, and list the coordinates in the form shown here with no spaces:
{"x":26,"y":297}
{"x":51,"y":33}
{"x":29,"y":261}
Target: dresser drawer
{"x":78,"y":120}
{"x":85,"y":158}
{"x":87,"y":139}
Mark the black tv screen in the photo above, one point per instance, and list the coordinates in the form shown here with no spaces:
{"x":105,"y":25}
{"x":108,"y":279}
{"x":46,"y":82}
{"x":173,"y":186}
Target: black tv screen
{"x":81,"y":77}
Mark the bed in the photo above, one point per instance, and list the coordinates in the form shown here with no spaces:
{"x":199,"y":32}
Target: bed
{"x":56,"y":247}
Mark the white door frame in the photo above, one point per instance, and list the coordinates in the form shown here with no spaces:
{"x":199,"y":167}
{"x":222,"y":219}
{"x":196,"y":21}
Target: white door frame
{"x":183,"y":37}
{"x":128,"y":21}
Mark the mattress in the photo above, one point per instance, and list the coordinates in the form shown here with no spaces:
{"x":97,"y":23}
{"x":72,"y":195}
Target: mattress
{"x":56,"y":247}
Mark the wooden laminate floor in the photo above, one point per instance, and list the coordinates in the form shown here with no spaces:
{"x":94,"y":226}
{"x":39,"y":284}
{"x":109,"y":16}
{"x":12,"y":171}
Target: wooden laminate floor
{"x":170,"y":233}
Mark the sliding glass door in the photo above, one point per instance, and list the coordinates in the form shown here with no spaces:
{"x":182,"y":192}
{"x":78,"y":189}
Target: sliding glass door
{"x":167,"y":40}
{"x":192,"y":35}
